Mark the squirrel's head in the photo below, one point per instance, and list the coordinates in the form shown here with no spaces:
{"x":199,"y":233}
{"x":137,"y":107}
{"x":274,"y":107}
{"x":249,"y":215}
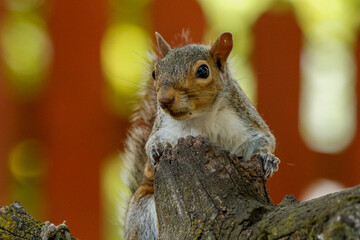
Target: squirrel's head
{"x":188,"y":79}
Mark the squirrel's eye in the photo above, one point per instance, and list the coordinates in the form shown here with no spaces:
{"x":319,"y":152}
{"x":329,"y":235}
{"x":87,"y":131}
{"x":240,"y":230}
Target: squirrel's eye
{"x":203,"y":71}
{"x":153,"y":74}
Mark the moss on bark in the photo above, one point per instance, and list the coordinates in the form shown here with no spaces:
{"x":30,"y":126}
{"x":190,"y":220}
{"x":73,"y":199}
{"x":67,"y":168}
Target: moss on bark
{"x":17,"y":224}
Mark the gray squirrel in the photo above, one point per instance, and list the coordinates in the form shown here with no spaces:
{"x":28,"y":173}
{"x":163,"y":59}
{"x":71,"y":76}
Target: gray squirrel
{"x":195,"y":94}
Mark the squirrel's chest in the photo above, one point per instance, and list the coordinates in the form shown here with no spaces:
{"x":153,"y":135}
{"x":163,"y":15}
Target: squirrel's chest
{"x":224,"y":128}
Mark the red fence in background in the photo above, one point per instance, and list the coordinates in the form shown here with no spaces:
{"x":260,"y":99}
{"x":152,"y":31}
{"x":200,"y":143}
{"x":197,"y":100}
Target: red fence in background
{"x":277,"y":69}
{"x":170,"y":18}
{"x":276,"y":57}
{"x":351,"y":167}
{"x":79,"y":131}
{"x":4,"y":106}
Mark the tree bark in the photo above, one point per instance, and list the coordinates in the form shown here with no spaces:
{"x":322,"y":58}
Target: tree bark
{"x":204,"y":192}
{"x":17,"y":224}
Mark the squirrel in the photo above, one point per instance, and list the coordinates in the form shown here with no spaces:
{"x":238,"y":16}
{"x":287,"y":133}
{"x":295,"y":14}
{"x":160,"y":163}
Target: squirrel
{"x":195,"y":94}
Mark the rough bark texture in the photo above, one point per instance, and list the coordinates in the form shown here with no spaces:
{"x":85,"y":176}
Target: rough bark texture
{"x":17,"y":224}
{"x":203,"y":192}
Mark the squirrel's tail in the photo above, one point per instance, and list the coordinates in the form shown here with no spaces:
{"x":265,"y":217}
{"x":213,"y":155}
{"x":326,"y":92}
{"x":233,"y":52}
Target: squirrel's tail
{"x":134,"y":158}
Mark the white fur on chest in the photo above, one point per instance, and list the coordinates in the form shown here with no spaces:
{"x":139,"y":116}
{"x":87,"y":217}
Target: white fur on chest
{"x":223,"y":127}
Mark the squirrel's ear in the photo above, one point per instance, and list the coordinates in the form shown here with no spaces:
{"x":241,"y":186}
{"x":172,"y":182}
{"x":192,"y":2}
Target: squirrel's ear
{"x":221,"y":49}
{"x":162,"y":44}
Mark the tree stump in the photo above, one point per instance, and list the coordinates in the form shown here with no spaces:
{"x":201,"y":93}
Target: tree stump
{"x":204,"y":192}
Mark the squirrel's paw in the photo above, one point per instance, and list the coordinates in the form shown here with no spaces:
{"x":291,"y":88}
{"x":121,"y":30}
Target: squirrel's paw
{"x":157,"y":149}
{"x":270,"y":162}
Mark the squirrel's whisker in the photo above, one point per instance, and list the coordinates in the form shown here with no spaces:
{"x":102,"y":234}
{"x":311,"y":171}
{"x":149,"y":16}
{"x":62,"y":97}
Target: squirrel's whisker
{"x":130,"y":88}
{"x":199,"y":90}
{"x":136,"y":83}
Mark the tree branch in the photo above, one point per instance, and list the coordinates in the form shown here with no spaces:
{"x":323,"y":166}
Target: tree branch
{"x":204,"y":192}
{"x":17,"y":224}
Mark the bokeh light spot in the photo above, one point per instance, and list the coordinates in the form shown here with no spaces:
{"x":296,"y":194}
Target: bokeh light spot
{"x":124,"y":61}
{"x":26,"y":50}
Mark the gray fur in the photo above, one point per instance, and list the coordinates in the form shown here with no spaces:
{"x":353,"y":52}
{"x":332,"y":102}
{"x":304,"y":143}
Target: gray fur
{"x":230,"y":120}
{"x":171,"y":71}
{"x":134,"y":157}
{"x":142,"y":215}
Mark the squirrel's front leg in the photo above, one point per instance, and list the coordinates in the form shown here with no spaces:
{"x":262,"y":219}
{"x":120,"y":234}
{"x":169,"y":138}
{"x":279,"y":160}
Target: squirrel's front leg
{"x":155,"y":147}
{"x":260,"y":148}
{"x":270,"y":161}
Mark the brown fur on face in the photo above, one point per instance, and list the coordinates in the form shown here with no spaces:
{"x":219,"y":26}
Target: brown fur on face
{"x":191,"y":95}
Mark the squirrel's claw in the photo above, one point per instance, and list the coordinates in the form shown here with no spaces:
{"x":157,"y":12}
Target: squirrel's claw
{"x":270,"y":162}
{"x":157,"y":149}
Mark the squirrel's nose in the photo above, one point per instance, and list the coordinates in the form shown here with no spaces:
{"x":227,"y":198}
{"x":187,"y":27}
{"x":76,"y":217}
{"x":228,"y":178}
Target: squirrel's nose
{"x":166,"y":102}
{"x":166,"y":97}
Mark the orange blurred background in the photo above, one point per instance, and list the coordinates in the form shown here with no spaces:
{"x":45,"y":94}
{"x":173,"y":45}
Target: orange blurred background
{"x":69,"y":72}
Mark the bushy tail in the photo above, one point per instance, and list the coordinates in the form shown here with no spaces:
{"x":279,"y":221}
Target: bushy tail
{"x":134,"y":158}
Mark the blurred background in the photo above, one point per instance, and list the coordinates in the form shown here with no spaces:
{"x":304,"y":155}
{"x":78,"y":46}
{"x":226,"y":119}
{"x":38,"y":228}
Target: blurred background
{"x":69,"y":72}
